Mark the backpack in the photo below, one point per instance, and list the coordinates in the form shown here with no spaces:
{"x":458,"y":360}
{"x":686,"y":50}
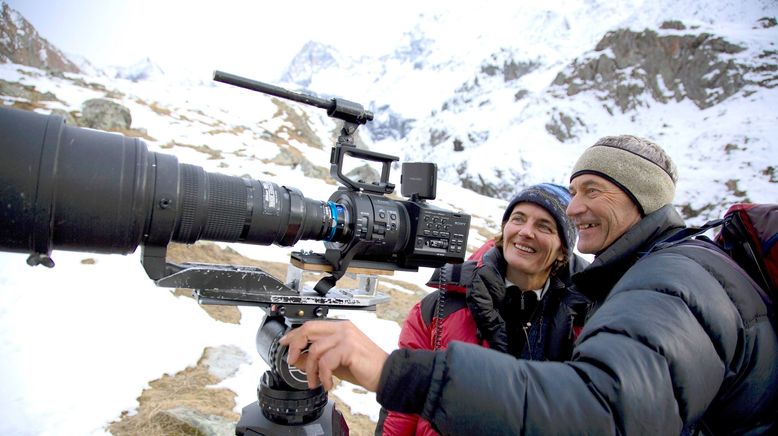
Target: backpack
{"x":749,"y":235}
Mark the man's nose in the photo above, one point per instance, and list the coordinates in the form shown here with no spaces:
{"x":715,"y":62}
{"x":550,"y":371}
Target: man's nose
{"x":576,"y":206}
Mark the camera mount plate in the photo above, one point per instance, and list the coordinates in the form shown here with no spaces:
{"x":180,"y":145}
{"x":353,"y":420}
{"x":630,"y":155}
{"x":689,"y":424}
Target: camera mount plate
{"x":252,"y":286}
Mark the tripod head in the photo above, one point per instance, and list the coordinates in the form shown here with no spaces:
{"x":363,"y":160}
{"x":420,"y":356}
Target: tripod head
{"x":285,"y":403}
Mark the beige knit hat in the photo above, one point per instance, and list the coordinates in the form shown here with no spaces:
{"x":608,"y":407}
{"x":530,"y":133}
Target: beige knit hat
{"x":636,"y":165}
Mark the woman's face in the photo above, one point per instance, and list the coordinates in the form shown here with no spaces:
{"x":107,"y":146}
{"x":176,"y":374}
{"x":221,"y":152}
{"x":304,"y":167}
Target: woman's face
{"x":531,"y":241}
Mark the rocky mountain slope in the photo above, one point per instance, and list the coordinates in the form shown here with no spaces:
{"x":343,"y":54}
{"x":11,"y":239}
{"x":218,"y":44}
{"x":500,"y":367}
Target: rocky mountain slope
{"x":698,"y":80}
{"x":21,"y":44}
{"x":495,"y":111}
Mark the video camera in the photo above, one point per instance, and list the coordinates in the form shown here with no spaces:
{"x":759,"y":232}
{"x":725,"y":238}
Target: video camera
{"x":74,"y":189}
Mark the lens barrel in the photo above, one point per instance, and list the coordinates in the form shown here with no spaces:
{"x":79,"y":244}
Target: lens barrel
{"x":69,"y":188}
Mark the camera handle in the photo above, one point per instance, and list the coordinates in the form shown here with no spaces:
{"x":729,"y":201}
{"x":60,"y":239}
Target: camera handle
{"x":344,"y":148}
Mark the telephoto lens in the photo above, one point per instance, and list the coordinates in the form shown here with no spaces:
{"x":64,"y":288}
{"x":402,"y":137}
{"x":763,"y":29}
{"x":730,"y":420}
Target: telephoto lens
{"x":69,"y":188}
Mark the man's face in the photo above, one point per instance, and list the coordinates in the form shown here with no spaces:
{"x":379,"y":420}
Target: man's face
{"x":601,"y":211}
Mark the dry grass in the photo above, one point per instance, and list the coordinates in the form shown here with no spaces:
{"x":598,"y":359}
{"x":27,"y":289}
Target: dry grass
{"x":135,"y":133}
{"x":159,"y":110}
{"x":167,"y":112}
{"x":27,"y":105}
{"x":397,"y":308}
{"x":237,"y":130}
{"x":108,"y":93}
{"x":358,"y":425}
{"x":190,"y":387}
{"x":212,"y":153}
{"x":300,"y":130}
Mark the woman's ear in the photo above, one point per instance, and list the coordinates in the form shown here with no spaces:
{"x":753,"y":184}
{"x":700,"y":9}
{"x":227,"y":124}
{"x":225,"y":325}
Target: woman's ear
{"x":562,"y":255}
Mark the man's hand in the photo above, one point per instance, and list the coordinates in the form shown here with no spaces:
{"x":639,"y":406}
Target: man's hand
{"x":335,"y":348}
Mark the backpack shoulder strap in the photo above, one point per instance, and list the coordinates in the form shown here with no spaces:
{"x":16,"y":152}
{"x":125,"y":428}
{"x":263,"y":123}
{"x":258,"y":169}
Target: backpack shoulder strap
{"x":685,"y":234}
{"x":431,"y":306}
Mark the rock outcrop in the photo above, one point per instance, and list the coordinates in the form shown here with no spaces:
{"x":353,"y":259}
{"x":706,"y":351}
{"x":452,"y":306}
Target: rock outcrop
{"x":21,"y":44}
{"x":626,"y":66}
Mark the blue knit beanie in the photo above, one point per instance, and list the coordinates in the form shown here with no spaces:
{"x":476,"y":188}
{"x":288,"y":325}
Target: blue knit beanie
{"x":554,"y":199}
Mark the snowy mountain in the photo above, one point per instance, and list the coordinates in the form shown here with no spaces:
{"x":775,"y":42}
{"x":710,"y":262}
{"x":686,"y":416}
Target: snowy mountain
{"x":499,"y":95}
{"x":144,"y":69}
{"x":532,"y":85}
{"x":548,"y":80}
{"x":313,"y":57}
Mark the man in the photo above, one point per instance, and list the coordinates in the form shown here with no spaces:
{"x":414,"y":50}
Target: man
{"x":679,"y":340}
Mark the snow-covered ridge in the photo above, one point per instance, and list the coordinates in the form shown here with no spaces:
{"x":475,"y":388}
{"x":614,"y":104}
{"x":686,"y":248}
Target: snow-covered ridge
{"x":470,"y":88}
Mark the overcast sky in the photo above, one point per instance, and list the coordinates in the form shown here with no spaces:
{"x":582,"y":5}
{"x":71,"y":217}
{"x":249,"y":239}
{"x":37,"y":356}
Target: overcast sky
{"x":254,"y":38}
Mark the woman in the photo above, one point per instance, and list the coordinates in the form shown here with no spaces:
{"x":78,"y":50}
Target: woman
{"x":513,"y":295}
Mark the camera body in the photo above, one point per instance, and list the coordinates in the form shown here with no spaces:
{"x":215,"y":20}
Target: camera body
{"x":404,"y":234}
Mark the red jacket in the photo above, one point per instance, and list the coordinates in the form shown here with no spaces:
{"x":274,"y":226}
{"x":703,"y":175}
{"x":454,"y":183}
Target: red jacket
{"x":419,"y":332}
{"x":443,"y":317}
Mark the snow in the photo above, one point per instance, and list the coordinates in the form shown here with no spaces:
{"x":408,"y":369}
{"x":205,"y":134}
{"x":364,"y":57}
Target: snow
{"x":81,"y":341}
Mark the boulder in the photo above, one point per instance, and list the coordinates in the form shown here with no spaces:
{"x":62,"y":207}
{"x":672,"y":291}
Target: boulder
{"x":102,"y":114}
{"x":191,"y":422}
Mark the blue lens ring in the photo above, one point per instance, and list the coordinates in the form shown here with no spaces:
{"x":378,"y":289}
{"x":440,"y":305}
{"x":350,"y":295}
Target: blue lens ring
{"x":334,"y":224}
